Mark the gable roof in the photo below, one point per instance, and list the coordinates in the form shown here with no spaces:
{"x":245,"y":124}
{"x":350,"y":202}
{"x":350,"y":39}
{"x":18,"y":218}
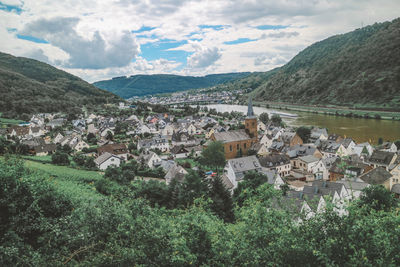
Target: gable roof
{"x":103,"y":158}
{"x":231,"y":136}
{"x":376,"y":176}
{"x":244,"y":164}
{"x":381,"y":157}
{"x":113,"y":149}
{"x":273,"y":160}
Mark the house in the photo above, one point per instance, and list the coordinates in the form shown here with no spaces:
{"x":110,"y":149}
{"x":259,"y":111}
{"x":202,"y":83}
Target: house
{"x":175,"y":172}
{"x":119,"y":150}
{"x":58,"y":138}
{"x":276,"y":147}
{"x":168,"y":130}
{"x":353,"y":187}
{"x":157,"y":142}
{"x":396,"y":190}
{"x":261,"y":127}
{"x":179,"y":152}
{"x":347,"y":168}
{"x":312,"y":165}
{"x":318,"y":134}
{"x":259,"y":149}
{"x":335,"y":138}
{"x":276,"y":162}
{"x":107,"y":159}
{"x":37,"y":131}
{"x":56,"y":123}
{"x":239,"y":142}
{"x":266,"y":140}
{"x":363,"y":149}
{"x":150,"y":159}
{"x":19,"y":131}
{"x":382,"y":158}
{"x":330,"y":148}
{"x":347,"y":147}
{"x":235,"y":169}
{"x":44,"y":149}
{"x":300,"y":151}
{"x":387,"y":147}
{"x":92,"y":129}
{"x":291,"y":139}
{"x":79,"y":145}
{"x":380,"y":176}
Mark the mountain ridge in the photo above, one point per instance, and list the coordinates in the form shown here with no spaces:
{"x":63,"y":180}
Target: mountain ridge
{"x":142,"y":84}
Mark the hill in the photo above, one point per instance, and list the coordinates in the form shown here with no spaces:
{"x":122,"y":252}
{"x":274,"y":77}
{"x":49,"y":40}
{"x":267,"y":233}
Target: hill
{"x":29,"y":86}
{"x":139,"y":85}
{"x":360,"y":68}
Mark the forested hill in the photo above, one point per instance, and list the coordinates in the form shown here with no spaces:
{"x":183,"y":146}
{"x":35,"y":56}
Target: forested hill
{"x":139,"y":85}
{"x":29,"y":86}
{"x":360,"y":67}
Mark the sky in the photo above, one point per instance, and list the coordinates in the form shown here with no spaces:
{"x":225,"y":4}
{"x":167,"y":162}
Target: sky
{"x":98,"y":40}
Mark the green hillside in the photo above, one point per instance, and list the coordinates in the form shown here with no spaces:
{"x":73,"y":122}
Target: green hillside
{"x":139,"y":85}
{"x":359,"y":68}
{"x":29,"y":86}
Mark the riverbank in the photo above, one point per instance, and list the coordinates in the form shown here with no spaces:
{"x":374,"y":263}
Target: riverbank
{"x":332,"y":110}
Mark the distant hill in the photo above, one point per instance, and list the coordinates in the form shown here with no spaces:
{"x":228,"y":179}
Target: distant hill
{"x":359,"y":68}
{"x":139,"y":85}
{"x":29,"y":86}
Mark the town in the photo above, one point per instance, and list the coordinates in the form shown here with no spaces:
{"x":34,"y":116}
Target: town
{"x":311,"y":166}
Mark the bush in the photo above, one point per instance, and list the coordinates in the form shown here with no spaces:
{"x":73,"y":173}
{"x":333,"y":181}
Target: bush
{"x":60,"y":158}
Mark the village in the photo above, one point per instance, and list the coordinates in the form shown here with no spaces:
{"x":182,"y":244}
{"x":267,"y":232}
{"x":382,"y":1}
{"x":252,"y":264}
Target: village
{"x":324,"y":167}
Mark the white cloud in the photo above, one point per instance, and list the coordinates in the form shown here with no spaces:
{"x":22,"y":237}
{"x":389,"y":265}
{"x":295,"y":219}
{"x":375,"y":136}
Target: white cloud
{"x":93,"y":53}
{"x":203,"y":57}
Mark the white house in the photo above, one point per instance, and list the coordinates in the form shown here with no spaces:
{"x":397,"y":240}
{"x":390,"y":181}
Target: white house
{"x":107,"y":159}
{"x":150,"y":159}
{"x":362,"y":149}
{"x":235,"y":169}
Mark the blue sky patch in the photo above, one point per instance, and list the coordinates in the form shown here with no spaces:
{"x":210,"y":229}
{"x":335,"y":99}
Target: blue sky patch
{"x":10,"y":8}
{"x":144,"y":29}
{"x":32,"y":39}
{"x":272,"y":27}
{"x":154,"y":51}
{"x":214,"y":27}
{"x":240,"y":41}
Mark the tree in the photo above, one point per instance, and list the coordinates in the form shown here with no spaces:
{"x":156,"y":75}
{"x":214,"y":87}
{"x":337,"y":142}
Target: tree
{"x":109,"y":136}
{"x":247,"y":187}
{"x":60,"y":158}
{"x":276,"y":120}
{"x":91,"y":138}
{"x":378,"y":198}
{"x":79,"y":159}
{"x":264,"y":117}
{"x":214,"y":155}
{"x":221,"y":198}
{"x":380,"y":141}
{"x":304,"y":133}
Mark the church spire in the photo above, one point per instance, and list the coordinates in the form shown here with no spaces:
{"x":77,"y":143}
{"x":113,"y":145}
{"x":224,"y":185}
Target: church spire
{"x":250,"y":112}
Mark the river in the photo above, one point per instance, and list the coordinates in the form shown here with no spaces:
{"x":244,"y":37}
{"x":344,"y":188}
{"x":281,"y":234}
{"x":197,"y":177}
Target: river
{"x":361,"y":130}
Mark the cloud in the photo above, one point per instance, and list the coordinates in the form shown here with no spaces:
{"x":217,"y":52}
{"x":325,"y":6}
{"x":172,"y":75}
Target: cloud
{"x":203,"y":57}
{"x":270,"y":60}
{"x":38,"y":54}
{"x":94,"y":53}
{"x":279,"y":35}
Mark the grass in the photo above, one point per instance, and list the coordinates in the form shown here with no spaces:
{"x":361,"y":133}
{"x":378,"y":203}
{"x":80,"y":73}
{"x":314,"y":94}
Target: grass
{"x":64,"y":172}
{"x":44,"y":159}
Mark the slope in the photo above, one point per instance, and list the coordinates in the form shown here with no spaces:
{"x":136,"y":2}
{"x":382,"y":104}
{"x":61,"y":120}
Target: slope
{"x":359,"y":68}
{"x":29,"y":86}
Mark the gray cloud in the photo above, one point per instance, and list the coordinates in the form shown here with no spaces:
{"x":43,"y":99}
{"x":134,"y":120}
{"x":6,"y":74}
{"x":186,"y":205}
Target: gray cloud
{"x":91,"y":54}
{"x":279,"y":35}
{"x":38,"y":54}
{"x":203,"y":58}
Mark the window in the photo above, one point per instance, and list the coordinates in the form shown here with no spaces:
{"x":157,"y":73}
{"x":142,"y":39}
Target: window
{"x":252,"y":124}
{"x":230,"y":148}
{"x":245,"y":145}
{"x":237,"y":147}
{"x":112,"y":159}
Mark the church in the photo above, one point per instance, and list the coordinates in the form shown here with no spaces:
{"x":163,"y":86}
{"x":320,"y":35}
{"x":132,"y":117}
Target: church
{"x":237,"y":143}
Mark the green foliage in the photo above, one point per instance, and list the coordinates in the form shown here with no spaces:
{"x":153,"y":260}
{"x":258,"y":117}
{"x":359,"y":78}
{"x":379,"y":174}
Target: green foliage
{"x":247,"y":188}
{"x":264,"y":117}
{"x":139,"y":85}
{"x":304,"y":133}
{"x":213,"y":155}
{"x":276,"y":120}
{"x":60,"y":158}
{"x":28,"y":86}
{"x":378,"y":198}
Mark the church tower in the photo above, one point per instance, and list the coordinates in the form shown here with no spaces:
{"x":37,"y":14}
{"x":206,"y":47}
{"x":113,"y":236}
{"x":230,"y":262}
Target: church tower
{"x":251,"y":122}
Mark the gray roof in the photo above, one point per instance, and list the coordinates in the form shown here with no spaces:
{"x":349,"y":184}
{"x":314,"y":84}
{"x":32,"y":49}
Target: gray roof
{"x":232,"y":136}
{"x":381,"y":157}
{"x":396,"y":189}
{"x":376,"y":176}
{"x":309,"y":159}
{"x":103,"y":157}
{"x":227,"y":183}
{"x":353,"y":185}
{"x":245,"y":164}
{"x":323,"y":187}
{"x":328,"y":146}
{"x":300,"y":150}
{"x":274,"y":160}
